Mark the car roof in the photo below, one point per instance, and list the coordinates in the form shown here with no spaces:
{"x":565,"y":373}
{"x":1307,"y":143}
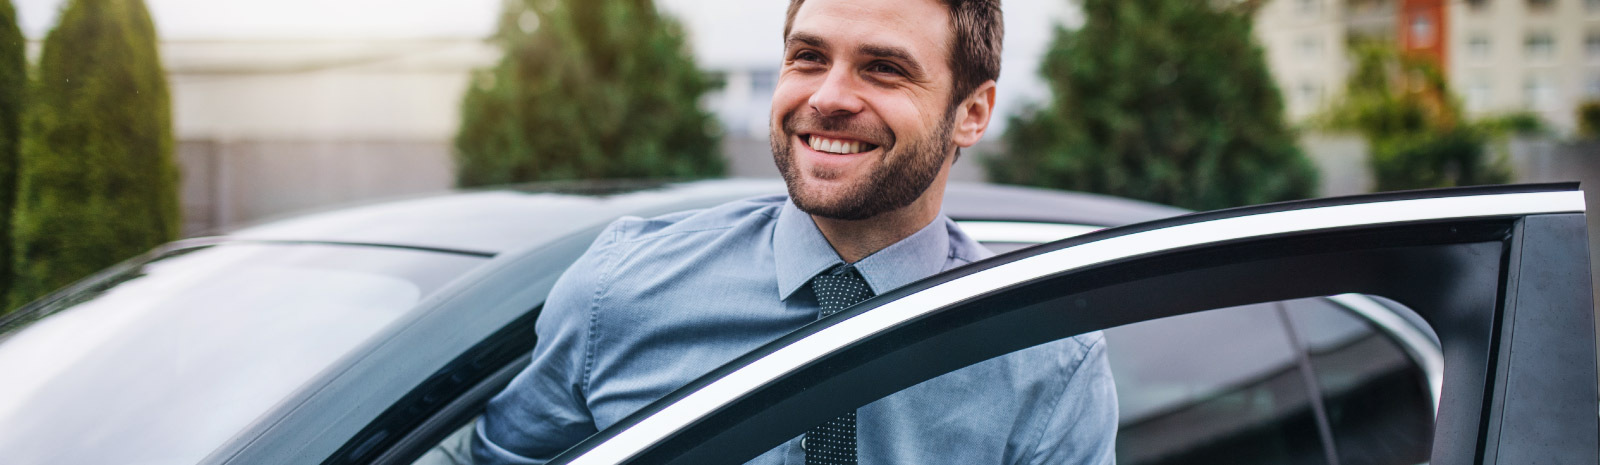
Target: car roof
{"x":501,"y":219}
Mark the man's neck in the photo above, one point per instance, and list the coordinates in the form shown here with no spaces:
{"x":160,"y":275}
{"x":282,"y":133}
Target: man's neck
{"x":854,"y":240}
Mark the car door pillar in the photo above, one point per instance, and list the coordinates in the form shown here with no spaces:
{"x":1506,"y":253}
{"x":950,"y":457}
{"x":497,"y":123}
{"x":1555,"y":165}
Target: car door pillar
{"x":1545,"y":411}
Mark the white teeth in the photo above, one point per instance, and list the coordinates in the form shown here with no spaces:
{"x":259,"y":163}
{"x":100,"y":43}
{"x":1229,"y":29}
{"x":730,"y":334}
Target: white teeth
{"x":835,"y":146}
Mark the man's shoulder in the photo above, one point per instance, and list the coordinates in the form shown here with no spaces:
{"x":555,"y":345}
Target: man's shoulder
{"x":963,"y":248}
{"x":728,"y":216}
{"x":638,"y":254}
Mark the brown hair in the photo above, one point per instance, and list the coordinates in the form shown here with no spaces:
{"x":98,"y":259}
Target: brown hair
{"x":977,"y":28}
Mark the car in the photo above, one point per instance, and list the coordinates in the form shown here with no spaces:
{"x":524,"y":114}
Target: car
{"x":1368,"y":329}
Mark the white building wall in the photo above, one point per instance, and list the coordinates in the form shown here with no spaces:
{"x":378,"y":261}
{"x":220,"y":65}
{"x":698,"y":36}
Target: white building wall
{"x":1304,"y":42}
{"x":1521,"y":55}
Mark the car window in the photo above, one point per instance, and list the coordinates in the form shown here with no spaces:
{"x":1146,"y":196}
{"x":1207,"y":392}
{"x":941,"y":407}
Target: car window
{"x":165,"y":361}
{"x":1225,"y":386}
{"x":1376,"y":395}
{"x":1222,"y":386}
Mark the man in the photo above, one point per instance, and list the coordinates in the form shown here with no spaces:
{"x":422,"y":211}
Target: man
{"x":874,"y":101}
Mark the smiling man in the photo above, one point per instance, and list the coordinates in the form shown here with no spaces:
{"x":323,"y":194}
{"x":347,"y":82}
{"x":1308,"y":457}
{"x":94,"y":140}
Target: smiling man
{"x":874,"y":102}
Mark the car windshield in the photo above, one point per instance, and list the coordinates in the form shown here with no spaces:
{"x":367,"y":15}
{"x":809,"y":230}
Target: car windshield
{"x":165,"y":361}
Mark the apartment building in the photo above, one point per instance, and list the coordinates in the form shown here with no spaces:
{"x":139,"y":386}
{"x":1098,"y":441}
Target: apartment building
{"x":1501,"y":56}
{"x":1526,"y":55}
{"x":1306,"y":44}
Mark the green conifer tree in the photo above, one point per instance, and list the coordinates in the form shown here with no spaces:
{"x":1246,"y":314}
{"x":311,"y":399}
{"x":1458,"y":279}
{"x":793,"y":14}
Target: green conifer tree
{"x":1162,"y":100}
{"x":98,"y":180}
{"x":586,"y":89}
{"x":13,"y":83}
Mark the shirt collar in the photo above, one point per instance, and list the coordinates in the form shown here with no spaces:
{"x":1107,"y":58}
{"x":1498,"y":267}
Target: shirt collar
{"x":801,"y":252}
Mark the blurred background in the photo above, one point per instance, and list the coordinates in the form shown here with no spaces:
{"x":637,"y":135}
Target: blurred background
{"x":196,"y":116}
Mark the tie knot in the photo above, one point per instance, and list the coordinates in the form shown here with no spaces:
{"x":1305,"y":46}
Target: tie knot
{"x":839,"y":289}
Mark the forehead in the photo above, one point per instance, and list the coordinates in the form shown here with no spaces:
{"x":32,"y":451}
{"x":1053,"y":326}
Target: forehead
{"x":921,"y":27}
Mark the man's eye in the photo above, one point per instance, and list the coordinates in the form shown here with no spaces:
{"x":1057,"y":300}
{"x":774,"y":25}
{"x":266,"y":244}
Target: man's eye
{"x":807,"y":55}
{"x":884,"y":68}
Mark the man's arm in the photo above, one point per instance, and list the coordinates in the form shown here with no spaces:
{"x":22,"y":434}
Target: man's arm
{"x":543,"y":412}
{"x":1083,"y":427}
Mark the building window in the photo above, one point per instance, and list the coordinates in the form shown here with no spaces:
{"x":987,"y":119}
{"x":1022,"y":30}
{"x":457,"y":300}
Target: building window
{"x":1591,"y":47}
{"x":1309,"y":94}
{"x":1539,"y":93}
{"x":1310,"y":7}
{"x":1592,"y":90}
{"x":1540,"y":5}
{"x":1479,"y":94}
{"x":1592,"y":5}
{"x":1478,"y":46}
{"x":1422,"y":31}
{"x":1309,"y":47}
{"x":763,"y":82}
{"x":1540,"y":46}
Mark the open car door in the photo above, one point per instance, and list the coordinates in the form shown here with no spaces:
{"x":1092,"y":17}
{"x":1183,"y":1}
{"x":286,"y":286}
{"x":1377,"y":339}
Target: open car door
{"x":1500,"y":274}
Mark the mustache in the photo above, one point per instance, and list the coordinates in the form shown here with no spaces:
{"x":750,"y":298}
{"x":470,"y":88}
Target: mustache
{"x":810,"y":122}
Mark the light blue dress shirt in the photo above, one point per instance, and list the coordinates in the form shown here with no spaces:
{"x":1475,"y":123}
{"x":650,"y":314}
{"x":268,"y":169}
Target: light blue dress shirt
{"x":656,"y":303}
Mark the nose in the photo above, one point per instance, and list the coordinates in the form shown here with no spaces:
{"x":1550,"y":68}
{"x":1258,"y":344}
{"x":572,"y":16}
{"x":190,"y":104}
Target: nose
{"x":837,"y":95}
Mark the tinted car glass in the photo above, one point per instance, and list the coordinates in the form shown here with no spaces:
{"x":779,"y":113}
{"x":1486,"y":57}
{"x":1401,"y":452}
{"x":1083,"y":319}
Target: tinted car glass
{"x":1376,"y":395}
{"x":1222,"y":386}
{"x":197,"y":346}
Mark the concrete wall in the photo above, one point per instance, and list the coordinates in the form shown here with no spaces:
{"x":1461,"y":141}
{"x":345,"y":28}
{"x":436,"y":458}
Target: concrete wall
{"x":1341,"y":163}
{"x":227,"y":183}
{"x":232,"y":183}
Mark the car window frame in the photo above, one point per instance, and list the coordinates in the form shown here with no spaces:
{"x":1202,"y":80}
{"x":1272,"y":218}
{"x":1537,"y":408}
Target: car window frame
{"x":1484,"y":218}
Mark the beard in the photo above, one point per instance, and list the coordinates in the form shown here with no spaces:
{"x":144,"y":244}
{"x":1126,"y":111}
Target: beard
{"x":905,"y":172}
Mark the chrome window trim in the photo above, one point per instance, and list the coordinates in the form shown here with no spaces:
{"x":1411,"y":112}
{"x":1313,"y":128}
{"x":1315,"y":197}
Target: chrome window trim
{"x":634,"y":440}
{"x":1022,"y":232}
{"x":1422,"y":349}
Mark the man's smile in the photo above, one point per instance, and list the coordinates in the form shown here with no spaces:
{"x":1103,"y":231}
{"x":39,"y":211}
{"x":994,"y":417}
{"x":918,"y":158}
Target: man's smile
{"x":838,"y":146}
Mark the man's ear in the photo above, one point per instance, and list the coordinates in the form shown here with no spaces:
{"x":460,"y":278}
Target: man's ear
{"x":972,"y":116}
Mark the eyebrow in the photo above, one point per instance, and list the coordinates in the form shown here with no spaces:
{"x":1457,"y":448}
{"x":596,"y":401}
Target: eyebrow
{"x":892,"y":53}
{"x":805,"y":39}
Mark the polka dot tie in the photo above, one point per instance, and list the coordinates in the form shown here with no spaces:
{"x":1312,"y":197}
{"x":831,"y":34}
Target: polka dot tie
{"x":834,"y":442}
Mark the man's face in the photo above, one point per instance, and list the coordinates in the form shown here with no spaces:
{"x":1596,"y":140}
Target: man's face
{"x":860,"y":117}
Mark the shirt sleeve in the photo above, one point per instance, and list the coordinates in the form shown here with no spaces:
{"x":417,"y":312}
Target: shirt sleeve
{"x":543,"y":411}
{"x":1083,"y":428}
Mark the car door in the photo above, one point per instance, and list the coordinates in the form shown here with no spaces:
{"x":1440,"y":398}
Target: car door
{"x":1499,"y":273}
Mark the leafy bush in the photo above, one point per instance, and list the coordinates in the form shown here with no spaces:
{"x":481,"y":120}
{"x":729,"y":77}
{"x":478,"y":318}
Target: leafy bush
{"x":1589,"y":119}
{"x":1404,"y":107}
{"x":98,"y":182}
{"x":1162,"y":100}
{"x":586,"y":89}
{"x":1522,"y":123}
{"x":1435,"y":159}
